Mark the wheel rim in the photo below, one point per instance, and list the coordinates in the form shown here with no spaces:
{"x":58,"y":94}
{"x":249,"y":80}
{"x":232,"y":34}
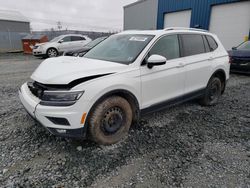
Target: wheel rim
{"x":52,"y":53}
{"x":112,"y":120}
{"x":214,"y":91}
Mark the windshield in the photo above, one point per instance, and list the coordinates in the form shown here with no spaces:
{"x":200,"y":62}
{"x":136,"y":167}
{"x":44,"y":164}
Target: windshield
{"x":120,"y":48}
{"x":244,"y":46}
{"x":55,"y":39}
{"x":95,"y":42}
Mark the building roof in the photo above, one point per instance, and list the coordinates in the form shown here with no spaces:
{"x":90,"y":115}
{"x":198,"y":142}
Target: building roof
{"x":34,"y":36}
{"x":10,"y":15}
{"x":135,"y":3}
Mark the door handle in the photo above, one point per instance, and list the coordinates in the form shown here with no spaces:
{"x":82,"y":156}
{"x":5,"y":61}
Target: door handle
{"x":180,"y":65}
{"x":210,"y":58}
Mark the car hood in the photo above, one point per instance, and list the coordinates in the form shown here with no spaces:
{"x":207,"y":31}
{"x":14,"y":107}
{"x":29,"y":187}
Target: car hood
{"x":80,"y":50}
{"x":63,"y":70}
{"x":40,"y":44}
{"x":239,"y":53}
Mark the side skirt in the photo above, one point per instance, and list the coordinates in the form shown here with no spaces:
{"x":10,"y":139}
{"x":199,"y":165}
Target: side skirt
{"x":172,"y":102}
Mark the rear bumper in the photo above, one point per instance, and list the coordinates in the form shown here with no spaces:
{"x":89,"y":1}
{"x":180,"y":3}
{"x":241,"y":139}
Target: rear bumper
{"x":44,"y":114}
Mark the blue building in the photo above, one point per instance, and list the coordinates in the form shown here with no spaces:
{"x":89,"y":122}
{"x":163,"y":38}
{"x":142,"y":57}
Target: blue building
{"x":229,"y":19}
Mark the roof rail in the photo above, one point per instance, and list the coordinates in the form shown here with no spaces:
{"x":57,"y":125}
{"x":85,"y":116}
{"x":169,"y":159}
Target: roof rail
{"x":184,"y":28}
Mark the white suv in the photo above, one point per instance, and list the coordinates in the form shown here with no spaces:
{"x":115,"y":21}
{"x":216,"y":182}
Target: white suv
{"x":128,"y":75}
{"x":60,"y":44}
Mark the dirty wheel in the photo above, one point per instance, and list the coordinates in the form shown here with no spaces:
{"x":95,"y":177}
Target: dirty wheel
{"x":110,"y":121}
{"x":212,"y":93}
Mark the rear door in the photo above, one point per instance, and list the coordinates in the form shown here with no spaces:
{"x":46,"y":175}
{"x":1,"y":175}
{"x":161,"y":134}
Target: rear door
{"x":165,"y":82}
{"x":197,"y":62}
{"x":78,"y":42}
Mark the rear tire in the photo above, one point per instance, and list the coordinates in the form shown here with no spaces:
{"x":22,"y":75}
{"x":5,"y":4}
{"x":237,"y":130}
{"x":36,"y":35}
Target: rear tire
{"x":212,"y":93}
{"x":110,"y":121}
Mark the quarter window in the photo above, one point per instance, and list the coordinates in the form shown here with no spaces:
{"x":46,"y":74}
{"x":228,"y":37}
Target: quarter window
{"x":192,"y":44}
{"x":213,"y":45}
{"x":167,"y":46}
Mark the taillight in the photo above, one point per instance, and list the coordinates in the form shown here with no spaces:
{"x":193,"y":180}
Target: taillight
{"x":230,"y":60}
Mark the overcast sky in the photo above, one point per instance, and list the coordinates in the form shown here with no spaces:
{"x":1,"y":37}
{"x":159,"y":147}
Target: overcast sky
{"x":93,"y":15}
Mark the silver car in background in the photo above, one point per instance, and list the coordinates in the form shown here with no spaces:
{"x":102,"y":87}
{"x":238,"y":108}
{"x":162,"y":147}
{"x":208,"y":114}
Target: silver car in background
{"x":60,"y":44}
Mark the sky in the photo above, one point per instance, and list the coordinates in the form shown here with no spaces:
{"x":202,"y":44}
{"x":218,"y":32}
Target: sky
{"x":90,"y":15}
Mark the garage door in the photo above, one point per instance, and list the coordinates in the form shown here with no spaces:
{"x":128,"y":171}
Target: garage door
{"x":231,"y":22}
{"x":177,"y":19}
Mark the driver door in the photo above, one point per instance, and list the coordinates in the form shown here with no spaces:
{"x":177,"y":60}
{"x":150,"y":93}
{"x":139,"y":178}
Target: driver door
{"x":65,"y":45}
{"x":163,"y":83}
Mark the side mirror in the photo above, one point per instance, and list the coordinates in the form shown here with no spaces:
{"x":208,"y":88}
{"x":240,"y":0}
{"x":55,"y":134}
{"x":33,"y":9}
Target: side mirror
{"x":234,"y":48}
{"x":60,"y":41}
{"x":156,"y":60}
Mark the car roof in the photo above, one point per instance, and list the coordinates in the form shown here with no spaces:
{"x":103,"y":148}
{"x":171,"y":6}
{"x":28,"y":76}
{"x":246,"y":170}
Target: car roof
{"x":72,"y":35}
{"x":166,"y":31}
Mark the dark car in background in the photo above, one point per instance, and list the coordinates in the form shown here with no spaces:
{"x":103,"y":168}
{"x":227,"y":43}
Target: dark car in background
{"x":82,"y":51}
{"x":240,"y":58}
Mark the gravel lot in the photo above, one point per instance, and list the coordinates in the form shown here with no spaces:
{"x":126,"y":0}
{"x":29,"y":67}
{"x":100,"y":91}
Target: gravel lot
{"x":184,"y":146}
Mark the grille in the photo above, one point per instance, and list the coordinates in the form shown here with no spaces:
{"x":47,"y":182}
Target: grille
{"x":239,"y":61}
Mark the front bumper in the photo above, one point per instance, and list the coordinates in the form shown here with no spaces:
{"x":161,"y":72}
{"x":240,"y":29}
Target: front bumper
{"x":38,"y":52}
{"x":49,"y":116}
{"x":240,"y":66}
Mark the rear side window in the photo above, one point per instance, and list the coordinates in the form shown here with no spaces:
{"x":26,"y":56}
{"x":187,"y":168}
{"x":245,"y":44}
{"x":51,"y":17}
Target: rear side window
{"x":192,"y":44}
{"x":167,"y":46}
{"x":77,"y":38}
{"x":212,"y":43}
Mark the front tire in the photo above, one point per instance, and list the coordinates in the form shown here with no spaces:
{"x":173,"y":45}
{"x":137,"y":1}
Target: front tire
{"x":52,"y":52}
{"x":213,"y":92}
{"x":110,"y":121}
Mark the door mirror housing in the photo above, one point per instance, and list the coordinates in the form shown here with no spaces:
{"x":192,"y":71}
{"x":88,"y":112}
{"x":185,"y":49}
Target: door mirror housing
{"x":234,"y":48}
{"x":156,"y":60}
{"x":60,"y":41}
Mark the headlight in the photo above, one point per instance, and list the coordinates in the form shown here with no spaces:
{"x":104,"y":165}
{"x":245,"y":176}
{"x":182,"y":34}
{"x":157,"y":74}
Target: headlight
{"x":60,"y":98}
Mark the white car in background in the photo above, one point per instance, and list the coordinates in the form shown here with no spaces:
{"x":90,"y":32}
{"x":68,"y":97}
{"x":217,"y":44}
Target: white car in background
{"x":127,"y":75}
{"x":60,"y":44}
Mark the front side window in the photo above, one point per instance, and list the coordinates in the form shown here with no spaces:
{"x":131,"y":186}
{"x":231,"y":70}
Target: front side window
{"x":124,"y":48}
{"x":192,"y":44}
{"x":167,"y":46}
{"x":67,"y":39}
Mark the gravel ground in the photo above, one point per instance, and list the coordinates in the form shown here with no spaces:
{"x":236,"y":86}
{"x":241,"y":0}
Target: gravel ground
{"x":184,"y":146}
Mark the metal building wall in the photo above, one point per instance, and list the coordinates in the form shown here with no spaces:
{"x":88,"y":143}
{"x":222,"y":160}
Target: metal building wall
{"x":141,"y":15}
{"x":201,"y":10}
{"x":11,"y":34}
